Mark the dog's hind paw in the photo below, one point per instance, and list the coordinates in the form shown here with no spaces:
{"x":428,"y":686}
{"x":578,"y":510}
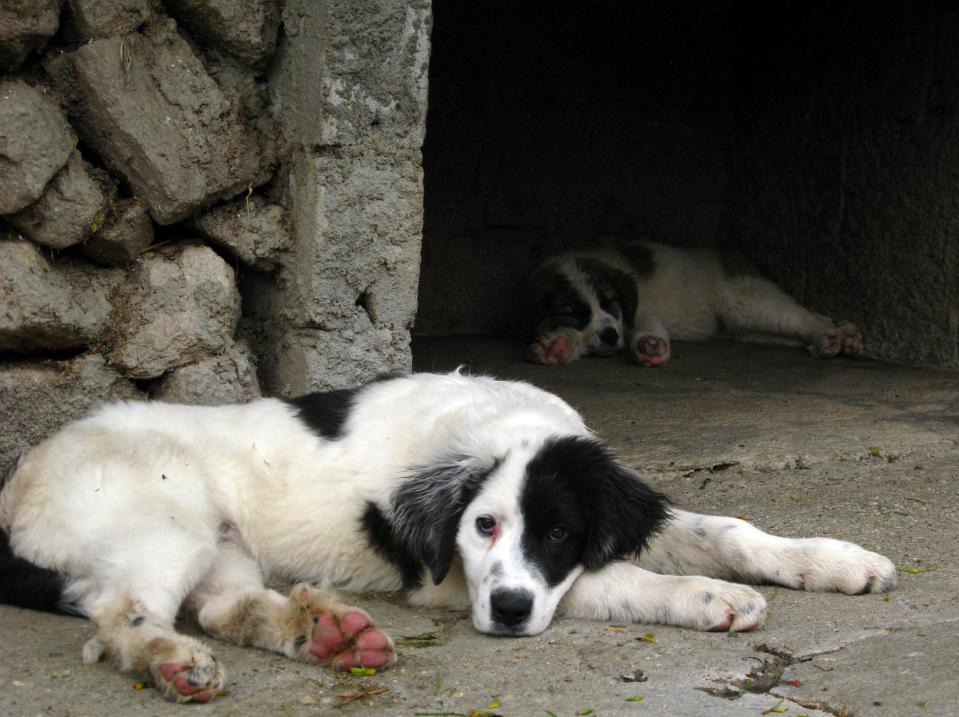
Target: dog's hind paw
{"x":191,"y":676}
{"x":336,"y":634}
{"x":842,"y":338}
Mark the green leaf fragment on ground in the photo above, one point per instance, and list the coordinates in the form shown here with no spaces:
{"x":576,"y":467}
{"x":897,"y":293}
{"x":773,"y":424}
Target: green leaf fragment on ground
{"x":363,"y":671}
{"x":636,"y":698}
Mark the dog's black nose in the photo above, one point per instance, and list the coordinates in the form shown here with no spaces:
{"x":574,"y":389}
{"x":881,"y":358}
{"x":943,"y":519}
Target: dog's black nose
{"x":511,"y":607}
{"x":609,"y":336}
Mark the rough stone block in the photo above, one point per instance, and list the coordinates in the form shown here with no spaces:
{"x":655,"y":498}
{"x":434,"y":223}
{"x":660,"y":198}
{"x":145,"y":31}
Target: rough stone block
{"x":50,"y":307}
{"x":94,"y":19}
{"x":227,"y":377}
{"x":72,"y":207}
{"x":49,"y":394}
{"x":245,"y":28}
{"x":256,"y":231}
{"x":179,"y":306}
{"x":147,"y":106}
{"x":125,"y":233}
{"x":35,"y":142}
{"x":25,"y":26}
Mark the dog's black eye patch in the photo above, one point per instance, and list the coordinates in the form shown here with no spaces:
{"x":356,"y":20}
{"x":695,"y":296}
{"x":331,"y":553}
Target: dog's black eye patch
{"x":606,"y":509}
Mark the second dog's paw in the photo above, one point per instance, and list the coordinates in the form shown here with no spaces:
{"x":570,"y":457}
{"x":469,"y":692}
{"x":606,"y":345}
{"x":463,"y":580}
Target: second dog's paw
{"x":649,"y":350}
{"x":337,"y":635}
{"x":190,"y":674}
{"x":842,"y":338}
{"x":553,"y":348}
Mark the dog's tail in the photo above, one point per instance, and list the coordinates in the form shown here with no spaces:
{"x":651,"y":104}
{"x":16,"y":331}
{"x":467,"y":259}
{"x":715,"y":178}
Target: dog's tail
{"x":26,"y":585}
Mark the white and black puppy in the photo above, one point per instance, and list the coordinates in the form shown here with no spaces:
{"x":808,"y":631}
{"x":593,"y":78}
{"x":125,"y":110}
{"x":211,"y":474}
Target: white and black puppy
{"x":466,"y":492}
{"x":639,"y":296}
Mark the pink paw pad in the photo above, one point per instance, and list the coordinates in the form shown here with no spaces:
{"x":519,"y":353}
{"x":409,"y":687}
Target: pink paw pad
{"x":651,"y":351}
{"x":349,"y":642}
{"x":185,"y":682}
{"x":549,"y":350}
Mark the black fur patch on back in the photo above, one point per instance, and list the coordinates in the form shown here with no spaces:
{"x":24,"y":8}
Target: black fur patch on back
{"x":379,"y":533}
{"x":326,"y":413}
{"x":29,"y":586}
{"x":618,"y":512}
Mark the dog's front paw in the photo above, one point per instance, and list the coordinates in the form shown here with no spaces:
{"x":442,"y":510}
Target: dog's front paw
{"x":842,"y":338}
{"x":827,"y":565}
{"x":648,"y":350}
{"x":336,"y":634}
{"x":718,"y":606}
{"x":554,"y":348}
{"x":188,"y":672}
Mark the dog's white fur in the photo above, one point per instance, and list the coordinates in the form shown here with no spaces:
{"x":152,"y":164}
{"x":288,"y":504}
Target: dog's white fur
{"x":684,"y":294}
{"x":129,"y":504}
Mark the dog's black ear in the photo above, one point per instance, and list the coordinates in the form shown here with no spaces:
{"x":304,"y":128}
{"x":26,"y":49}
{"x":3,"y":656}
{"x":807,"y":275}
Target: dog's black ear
{"x":428,"y":507}
{"x":624,"y":513}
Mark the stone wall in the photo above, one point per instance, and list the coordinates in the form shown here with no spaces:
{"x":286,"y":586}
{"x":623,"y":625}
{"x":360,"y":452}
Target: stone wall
{"x":202,"y":198}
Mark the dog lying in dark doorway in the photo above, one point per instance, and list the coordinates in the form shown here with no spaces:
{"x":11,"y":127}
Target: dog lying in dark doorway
{"x":640,"y":296}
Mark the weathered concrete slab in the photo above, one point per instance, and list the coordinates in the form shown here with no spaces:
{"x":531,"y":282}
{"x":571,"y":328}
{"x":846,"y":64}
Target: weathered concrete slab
{"x":25,"y":27}
{"x":720,"y":430}
{"x":256,"y":231}
{"x":71,"y":208}
{"x":246,"y":29}
{"x":226,"y":377}
{"x":35,"y":142}
{"x":147,"y":106}
{"x":125,"y":232}
{"x":178,"y":307}
{"x":46,"y":306}
{"x":38,"y":397}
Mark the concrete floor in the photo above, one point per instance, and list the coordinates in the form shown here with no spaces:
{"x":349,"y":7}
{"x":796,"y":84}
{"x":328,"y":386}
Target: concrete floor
{"x":852,"y":449}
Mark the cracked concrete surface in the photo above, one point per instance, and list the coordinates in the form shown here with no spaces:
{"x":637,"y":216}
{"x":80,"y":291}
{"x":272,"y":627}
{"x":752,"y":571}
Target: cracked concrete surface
{"x":857,"y":450}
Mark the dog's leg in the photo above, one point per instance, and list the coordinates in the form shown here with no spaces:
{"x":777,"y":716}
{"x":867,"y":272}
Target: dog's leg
{"x":310,"y":625}
{"x":648,"y":340}
{"x":692,"y":544}
{"x":623,"y":592}
{"x":140,"y":640}
{"x":752,"y":304}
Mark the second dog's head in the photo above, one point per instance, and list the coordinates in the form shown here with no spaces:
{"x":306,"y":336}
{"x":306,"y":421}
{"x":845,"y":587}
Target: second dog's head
{"x":583,"y":295}
{"x":525,"y":524}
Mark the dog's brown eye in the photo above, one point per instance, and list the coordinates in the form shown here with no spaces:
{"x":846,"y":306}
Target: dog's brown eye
{"x":485,"y":524}
{"x":556,"y":535}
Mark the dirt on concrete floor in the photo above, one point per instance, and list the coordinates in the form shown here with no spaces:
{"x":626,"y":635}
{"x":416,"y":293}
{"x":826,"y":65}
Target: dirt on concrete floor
{"x":851,"y":449}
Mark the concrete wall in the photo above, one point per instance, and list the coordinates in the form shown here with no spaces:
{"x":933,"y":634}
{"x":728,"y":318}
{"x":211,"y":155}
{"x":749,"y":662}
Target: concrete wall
{"x":844,"y":166}
{"x":818,"y":138}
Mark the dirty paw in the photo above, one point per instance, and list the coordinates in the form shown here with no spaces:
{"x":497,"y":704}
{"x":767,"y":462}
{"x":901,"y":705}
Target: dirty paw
{"x":554,"y":348}
{"x":197,"y":678}
{"x":719,"y":606}
{"x":338,"y":635}
{"x":843,"y":338}
{"x":649,"y":350}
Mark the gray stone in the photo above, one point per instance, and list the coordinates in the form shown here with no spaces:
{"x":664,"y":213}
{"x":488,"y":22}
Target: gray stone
{"x":147,"y":106}
{"x":71,"y":208}
{"x":226,"y":377}
{"x":245,"y":28}
{"x":25,"y":26}
{"x":94,"y":19}
{"x":48,"y":306}
{"x":179,"y":306}
{"x":35,"y":142}
{"x":38,"y":397}
{"x":125,"y":233}
{"x":256,"y":231}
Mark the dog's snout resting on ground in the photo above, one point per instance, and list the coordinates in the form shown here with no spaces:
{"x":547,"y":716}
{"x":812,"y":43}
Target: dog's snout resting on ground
{"x":639,"y":296}
{"x":463,"y":491}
